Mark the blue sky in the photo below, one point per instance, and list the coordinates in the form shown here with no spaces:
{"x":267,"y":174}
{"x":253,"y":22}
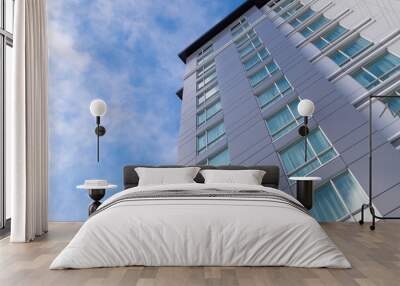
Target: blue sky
{"x":125,"y":52}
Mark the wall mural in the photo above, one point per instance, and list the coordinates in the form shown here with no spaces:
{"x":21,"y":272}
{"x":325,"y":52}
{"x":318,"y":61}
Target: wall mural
{"x":124,"y":52}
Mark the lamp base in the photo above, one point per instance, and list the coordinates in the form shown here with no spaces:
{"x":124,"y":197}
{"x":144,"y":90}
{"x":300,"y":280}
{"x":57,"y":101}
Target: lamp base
{"x":303,"y":130}
{"x":100,"y":130}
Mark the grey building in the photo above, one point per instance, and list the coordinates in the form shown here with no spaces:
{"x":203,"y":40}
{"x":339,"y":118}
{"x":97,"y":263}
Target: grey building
{"x":245,"y":76}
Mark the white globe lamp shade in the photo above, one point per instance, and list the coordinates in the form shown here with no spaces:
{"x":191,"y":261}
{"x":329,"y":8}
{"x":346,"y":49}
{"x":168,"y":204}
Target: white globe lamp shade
{"x":306,"y":107}
{"x":98,"y":107}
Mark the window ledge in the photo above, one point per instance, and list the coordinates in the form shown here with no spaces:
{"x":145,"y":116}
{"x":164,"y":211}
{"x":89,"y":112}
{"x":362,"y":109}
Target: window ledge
{"x":362,"y":100}
{"x":347,"y":37}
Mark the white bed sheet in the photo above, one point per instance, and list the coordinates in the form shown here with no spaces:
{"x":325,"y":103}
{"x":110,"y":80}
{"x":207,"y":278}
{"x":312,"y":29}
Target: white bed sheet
{"x":202,"y":232}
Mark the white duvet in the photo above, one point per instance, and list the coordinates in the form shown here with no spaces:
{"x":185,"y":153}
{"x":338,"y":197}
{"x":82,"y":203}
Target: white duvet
{"x":200,"y":231}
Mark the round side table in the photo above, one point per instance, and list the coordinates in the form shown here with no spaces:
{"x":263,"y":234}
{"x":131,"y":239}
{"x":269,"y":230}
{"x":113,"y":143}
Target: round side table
{"x":96,"y":193}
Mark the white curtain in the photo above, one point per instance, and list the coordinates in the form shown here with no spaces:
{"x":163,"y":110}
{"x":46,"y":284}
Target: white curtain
{"x":27,"y":148}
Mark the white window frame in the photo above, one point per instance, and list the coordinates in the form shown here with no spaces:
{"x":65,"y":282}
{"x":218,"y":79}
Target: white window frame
{"x":207,"y":160}
{"x":318,"y":29}
{"x":253,"y":46}
{"x":280,"y":93}
{"x":258,"y":56}
{"x":248,"y":36}
{"x":204,"y":92}
{"x":349,"y":58}
{"x":205,"y":133}
{"x":328,"y":43}
{"x":238,"y":28}
{"x":330,"y":181}
{"x":205,"y":110}
{"x":206,"y":79}
{"x":290,"y":12}
{"x":268,"y":74}
{"x":204,"y":54}
{"x":316,"y":155}
{"x":281,"y":5}
{"x":204,"y":69}
{"x":376,"y":79}
{"x":294,"y":119}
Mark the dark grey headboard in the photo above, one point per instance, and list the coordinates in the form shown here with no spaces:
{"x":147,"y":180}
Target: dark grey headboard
{"x":271,"y":178}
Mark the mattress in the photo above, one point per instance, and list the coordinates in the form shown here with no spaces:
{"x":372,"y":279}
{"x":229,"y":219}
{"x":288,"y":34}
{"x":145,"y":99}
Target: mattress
{"x":201,"y":225}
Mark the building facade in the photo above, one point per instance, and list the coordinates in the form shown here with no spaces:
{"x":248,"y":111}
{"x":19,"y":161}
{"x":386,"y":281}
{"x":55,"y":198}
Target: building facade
{"x":246,"y":75}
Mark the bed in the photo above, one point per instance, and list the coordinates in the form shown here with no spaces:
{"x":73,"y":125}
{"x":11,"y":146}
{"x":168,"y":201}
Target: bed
{"x":198,"y":224}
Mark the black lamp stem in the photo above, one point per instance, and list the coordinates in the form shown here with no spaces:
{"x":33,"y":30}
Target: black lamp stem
{"x":98,"y":137}
{"x":305,"y":138}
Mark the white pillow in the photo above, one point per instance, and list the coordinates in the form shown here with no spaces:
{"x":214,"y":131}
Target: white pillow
{"x":248,"y":177}
{"x":165,"y":176}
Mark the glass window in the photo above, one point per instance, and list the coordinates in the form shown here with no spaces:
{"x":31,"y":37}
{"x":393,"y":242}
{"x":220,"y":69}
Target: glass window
{"x":327,"y":205}
{"x":205,"y":50}
{"x":284,"y":120}
{"x":208,"y":78}
{"x":338,"y":199}
{"x":377,"y":71}
{"x":245,"y":38}
{"x":313,"y":26}
{"x":332,"y":35}
{"x":264,"y":72}
{"x":201,"y":142}
{"x":350,"y":191}
{"x":247,"y":49}
{"x":319,"y":151}
{"x":201,"y":118}
{"x":203,"y":60}
{"x":250,"y":47}
{"x":205,"y":68}
{"x":275,"y":91}
{"x":207,"y":94}
{"x":210,"y":136}
{"x":350,"y":51}
{"x":214,"y":133}
{"x":221,"y":158}
{"x":257,"y":58}
{"x":303,"y":17}
{"x":282,"y":5}
{"x":393,"y":103}
{"x":292,"y":11}
{"x":204,"y":54}
{"x":240,"y":27}
{"x":208,"y":112}
{"x":240,"y":41}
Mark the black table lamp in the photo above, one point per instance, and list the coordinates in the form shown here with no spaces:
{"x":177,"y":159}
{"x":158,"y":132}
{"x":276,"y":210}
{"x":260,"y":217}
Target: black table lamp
{"x":98,"y":108}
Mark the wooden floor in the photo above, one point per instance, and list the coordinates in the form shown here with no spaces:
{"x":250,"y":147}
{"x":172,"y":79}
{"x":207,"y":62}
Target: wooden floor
{"x":375,"y":257}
